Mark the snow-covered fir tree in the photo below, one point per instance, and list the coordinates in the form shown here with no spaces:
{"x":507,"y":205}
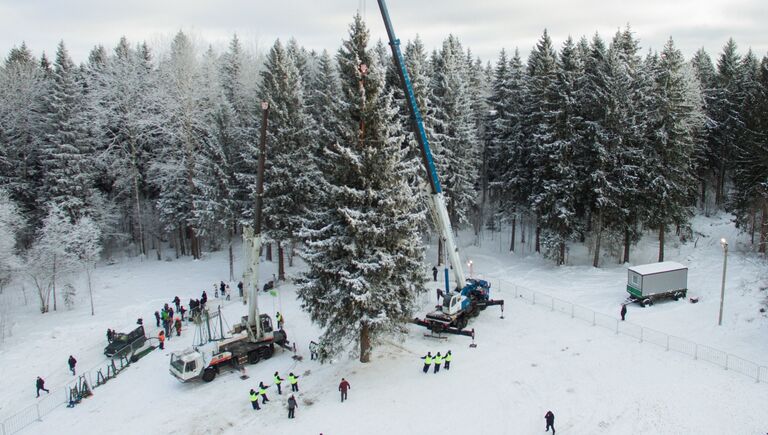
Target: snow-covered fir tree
{"x":289,"y":176}
{"x":458,"y":156}
{"x":669,"y":185}
{"x":363,"y":247}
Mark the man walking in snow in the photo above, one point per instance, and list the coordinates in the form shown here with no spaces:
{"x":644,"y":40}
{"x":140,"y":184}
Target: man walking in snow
{"x":427,"y":361}
{"x":292,"y":405}
{"x":434,"y":273}
{"x":448,"y":359}
{"x":72,"y":361}
{"x":177,"y":324}
{"x":41,"y":386}
{"x":254,"y":399}
{"x":111,"y":335}
{"x":280,"y":320}
{"x":550,"y":418}
{"x":161,"y":337}
{"x":438,"y":361}
{"x":343,"y":387}
{"x":177,"y":302}
{"x":157,"y":318}
{"x":240,"y":288}
{"x":623,"y":311}
{"x":293,"y":381}
{"x":278,"y":380}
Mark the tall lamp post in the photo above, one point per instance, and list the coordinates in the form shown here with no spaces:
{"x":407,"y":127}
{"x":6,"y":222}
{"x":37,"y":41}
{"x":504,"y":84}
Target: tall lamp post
{"x":724,"y":243}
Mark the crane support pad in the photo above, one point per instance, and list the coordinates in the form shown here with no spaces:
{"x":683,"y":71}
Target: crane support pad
{"x":441,"y":328}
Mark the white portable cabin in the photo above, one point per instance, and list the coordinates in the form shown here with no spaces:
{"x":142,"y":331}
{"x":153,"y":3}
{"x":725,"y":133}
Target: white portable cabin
{"x":666,"y":277}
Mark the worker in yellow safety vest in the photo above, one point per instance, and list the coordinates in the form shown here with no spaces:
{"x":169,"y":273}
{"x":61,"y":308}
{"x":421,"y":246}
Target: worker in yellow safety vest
{"x":438,"y":361}
{"x":427,"y":361}
{"x":278,"y":380}
{"x":293,"y":381}
{"x":448,"y":359}
{"x":254,"y":399}
{"x":263,"y":393}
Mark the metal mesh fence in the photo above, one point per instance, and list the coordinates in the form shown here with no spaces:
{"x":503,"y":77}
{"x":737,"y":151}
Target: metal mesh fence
{"x":73,"y":391}
{"x":641,"y":334}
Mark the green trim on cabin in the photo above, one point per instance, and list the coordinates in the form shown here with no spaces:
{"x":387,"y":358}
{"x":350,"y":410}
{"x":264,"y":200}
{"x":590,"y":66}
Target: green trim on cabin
{"x":634,"y":292}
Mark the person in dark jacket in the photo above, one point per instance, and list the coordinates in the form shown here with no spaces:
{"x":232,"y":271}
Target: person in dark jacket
{"x":623,"y":311}
{"x":203,"y":300}
{"x":343,"y":387}
{"x":72,"y":361}
{"x":177,"y":325}
{"x":41,"y":386}
{"x":182,"y":310}
{"x":240,"y":288}
{"x":434,"y":273}
{"x":292,"y":405}
{"x":157,"y":318}
{"x":550,"y":418}
{"x":177,"y":302}
{"x":427,"y":361}
{"x":111,"y":335}
{"x":254,"y":399}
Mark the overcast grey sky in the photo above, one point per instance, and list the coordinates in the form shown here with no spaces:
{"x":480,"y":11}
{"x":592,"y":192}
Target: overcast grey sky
{"x":485,"y":26}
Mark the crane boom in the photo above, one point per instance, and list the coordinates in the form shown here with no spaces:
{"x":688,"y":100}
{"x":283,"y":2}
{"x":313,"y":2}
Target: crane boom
{"x":436,"y":197}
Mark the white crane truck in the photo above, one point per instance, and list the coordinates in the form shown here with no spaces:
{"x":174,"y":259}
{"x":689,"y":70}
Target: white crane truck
{"x":253,"y":338}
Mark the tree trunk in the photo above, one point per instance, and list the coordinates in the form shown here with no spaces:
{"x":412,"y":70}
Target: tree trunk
{"x":231,"y":256}
{"x":763,"y":227}
{"x":439,"y":250}
{"x":159,"y":247}
{"x":54,"y":282}
{"x":291,"y":253}
{"x":90,"y":286}
{"x":626,"y":245}
{"x":269,"y":252}
{"x":514,"y":229}
{"x":538,"y":239}
{"x":365,"y":344}
{"x":662,"y":229}
{"x":598,"y":238}
{"x":522,"y":230}
{"x":280,"y":262}
{"x":182,"y":242}
{"x":562,"y":254}
{"x":753,"y":227}
{"x":142,"y":245}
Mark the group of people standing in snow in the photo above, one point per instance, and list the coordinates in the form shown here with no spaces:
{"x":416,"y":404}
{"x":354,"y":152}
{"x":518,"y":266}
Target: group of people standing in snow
{"x":261,"y":392}
{"x":438,"y":360}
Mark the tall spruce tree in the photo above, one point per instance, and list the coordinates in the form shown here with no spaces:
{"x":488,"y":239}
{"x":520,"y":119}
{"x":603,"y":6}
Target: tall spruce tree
{"x":363,"y":249}
{"x":669,"y":187}
{"x":289,"y":179}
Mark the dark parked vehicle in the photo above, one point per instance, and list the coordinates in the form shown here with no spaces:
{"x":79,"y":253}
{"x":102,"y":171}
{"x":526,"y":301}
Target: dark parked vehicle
{"x":125,"y":344}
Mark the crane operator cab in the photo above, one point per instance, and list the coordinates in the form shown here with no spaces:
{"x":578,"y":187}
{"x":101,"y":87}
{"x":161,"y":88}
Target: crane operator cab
{"x":452,"y":303}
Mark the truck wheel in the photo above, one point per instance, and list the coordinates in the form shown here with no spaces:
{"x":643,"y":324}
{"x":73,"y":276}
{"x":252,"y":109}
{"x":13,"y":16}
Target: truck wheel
{"x":253,"y":356}
{"x":462,"y":323}
{"x":648,"y":301}
{"x":266,"y":352}
{"x":209,"y":374}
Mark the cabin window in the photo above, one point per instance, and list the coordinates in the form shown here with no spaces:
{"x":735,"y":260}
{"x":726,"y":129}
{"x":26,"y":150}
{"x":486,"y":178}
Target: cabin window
{"x":634,"y":279}
{"x":190,"y":366}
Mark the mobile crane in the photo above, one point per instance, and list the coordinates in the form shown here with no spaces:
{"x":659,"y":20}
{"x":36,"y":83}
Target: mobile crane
{"x":470,"y":296}
{"x":253,"y":338}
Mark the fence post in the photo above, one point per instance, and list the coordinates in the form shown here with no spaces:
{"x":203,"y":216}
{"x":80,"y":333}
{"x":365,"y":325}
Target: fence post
{"x":571,"y":311}
{"x":553,"y":304}
{"x":37,"y":406}
{"x":2,"y":425}
{"x":617,"y":327}
{"x":533,"y":299}
{"x":695,"y":351}
{"x":726,"y":361}
{"x":667,"y":343}
{"x":641,"y":335}
{"x":594,"y":322}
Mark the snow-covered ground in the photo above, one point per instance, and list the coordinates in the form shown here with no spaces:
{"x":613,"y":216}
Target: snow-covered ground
{"x":533,"y":360}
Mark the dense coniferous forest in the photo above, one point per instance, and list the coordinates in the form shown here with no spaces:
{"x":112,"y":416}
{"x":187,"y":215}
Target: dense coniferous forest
{"x":593,"y":140}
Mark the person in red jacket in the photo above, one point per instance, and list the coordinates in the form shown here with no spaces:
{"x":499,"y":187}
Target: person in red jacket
{"x":343,"y":387}
{"x":161,"y":337}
